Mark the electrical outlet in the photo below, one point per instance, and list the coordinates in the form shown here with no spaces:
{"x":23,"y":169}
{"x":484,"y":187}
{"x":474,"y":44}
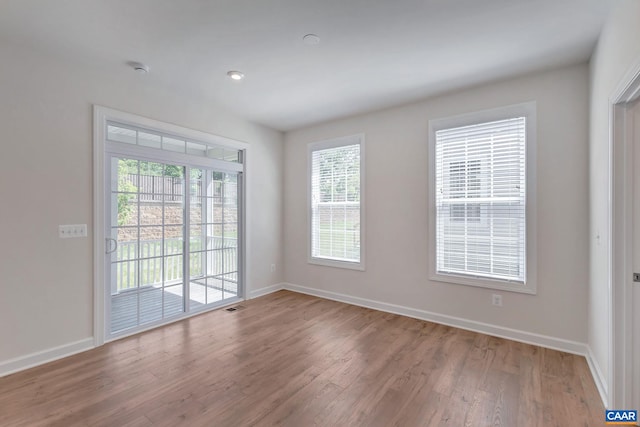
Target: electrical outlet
{"x":273,"y":268}
{"x":73,"y":230}
{"x":496,"y":299}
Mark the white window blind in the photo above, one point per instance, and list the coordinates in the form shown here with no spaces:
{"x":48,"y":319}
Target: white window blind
{"x":335,"y":203}
{"x":481,"y":200}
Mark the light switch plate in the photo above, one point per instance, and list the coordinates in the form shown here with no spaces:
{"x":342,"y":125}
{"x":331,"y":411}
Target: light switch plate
{"x":73,"y":230}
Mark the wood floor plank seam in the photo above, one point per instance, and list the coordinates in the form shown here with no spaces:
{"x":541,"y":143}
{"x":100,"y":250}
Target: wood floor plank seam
{"x":297,"y":360}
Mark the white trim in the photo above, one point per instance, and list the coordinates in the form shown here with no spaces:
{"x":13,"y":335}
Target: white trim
{"x":546,"y":341}
{"x":528,"y":110}
{"x":266,"y":290}
{"x":244,"y":229}
{"x":35,"y":359}
{"x":145,"y":122}
{"x":102,"y":115}
{"x":99,"y":130}
{"x":499,"y":331}
{"x":327,"y":262}
{"x":153,"y":154}
{"x":21,"y":363}
{"x":619,"y":247}
{"x":568,"y":346}
{"x":334,"y":143}
{"x":598,"y":377}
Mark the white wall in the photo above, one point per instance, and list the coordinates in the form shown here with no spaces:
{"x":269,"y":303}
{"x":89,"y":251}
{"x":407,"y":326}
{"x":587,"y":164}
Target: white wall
{"x":46,"y":294}
{"x":396,"y":208}
{"x":617,"y":51}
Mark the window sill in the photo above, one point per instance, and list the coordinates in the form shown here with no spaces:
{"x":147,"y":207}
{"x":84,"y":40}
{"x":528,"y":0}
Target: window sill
{"x":337,"y":264}
{"x":482,"y":282}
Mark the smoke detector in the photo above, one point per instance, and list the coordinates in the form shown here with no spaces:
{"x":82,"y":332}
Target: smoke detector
{"x":311,"y":39}
{"x":139,"y":67}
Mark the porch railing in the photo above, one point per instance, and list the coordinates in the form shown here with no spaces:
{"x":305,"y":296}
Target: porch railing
{"x":143,"y":263}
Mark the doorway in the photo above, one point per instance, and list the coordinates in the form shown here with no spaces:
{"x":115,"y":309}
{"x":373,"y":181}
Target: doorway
{"x":169,"y":226}
{"x":624,"y":377}
{"x":633,"y":128}
{"x":145,"y":247}
{"x":153,"y":251}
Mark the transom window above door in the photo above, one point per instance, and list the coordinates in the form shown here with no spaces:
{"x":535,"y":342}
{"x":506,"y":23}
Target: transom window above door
{"x":117,"y":132}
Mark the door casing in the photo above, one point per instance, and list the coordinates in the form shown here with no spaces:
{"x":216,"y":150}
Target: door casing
{"x":621,"y":369}
{"x":101,"y":116}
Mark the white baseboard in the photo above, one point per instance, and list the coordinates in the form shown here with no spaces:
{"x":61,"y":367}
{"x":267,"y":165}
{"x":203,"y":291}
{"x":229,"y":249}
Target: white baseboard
{"x":255,"y":293}
{"x":21,"y":363}
{"x":41,"y":357}
{"x":598,"y":378}
{"x":553,"y":343}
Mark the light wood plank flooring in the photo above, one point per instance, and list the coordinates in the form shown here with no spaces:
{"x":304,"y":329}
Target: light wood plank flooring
{"x":296,"y":360}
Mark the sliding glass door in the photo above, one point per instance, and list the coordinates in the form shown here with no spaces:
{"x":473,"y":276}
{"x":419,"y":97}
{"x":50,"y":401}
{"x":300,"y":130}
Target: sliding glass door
{"x":169,"y":210}
{"x":146,"y":242}
{"x":213,"y":236}
{"x":173,"y":243}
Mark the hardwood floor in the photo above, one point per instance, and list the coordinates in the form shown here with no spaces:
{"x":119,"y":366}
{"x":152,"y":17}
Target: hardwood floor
{"x":296,"y":360}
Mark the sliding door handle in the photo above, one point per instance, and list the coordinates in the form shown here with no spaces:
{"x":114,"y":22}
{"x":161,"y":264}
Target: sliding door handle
{"x":109,"y":245}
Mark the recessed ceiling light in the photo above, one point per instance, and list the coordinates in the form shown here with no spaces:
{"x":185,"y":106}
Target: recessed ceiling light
{"x":139,"y":67}
{"x":311,"y":39}
{"x":235,"y":75}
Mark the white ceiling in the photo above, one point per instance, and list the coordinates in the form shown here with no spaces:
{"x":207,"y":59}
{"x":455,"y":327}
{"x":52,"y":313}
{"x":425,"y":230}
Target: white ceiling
{"x":372,"y":54}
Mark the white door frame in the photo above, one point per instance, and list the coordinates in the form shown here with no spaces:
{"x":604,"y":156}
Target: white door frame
{"x":100,"y":117}
{"x":621,"y":243}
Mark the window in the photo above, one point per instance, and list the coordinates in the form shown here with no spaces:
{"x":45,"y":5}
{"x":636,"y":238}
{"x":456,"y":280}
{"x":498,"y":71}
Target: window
{"x":118,"y":132}
{"x":482,"y":199}
{"x":336,"y":190}
{"x":465,"y":183}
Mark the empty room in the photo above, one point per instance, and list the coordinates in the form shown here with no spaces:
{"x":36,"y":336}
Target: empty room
{"x":332,"y":213}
